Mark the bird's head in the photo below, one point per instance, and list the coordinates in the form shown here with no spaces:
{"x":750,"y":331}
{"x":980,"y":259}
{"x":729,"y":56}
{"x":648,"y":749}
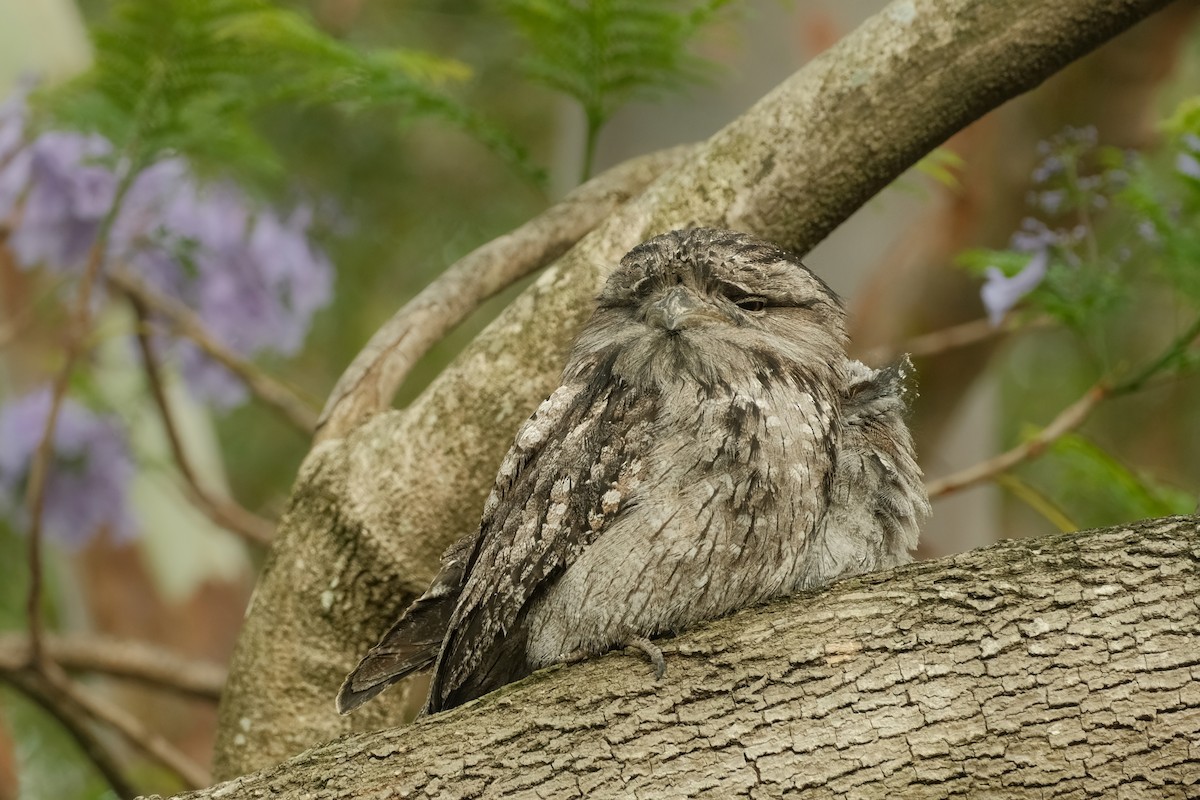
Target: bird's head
{"x":717,"y":308}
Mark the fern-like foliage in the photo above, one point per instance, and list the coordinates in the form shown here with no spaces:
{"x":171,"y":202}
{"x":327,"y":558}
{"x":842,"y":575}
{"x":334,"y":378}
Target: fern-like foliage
{"x":604,"y":53}
{"x":186,"y":77}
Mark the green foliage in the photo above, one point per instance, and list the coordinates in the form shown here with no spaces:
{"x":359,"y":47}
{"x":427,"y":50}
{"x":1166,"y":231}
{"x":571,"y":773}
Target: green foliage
{"x":604,"y":53}
{"x":942,"y":165}
{"x":1100,"y":489}
{"x":1110,"y":252}
{"x":189,"y":77}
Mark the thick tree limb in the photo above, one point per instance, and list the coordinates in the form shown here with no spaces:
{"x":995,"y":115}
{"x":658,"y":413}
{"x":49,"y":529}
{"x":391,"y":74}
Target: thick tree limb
{"x":370,"y":513}
{"x":1037,"y":668}
{"x":377,"y":372}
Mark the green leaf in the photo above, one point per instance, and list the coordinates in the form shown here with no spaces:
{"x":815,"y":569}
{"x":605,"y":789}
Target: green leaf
{"x":1106,"y":490}
{"x":605,"y":53}
{"x":943,"y":166}
{"x":977,"y":260}
{"x":189,"y":77}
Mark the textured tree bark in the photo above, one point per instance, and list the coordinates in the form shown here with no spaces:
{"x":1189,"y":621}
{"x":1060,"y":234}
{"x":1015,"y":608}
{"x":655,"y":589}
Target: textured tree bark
{"x":371,"y":512}
{"x":1066,"y":667}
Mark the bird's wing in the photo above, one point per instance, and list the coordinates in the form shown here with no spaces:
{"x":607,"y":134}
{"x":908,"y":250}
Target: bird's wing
{"x":556,"y":492}
{"x":877,"y":467}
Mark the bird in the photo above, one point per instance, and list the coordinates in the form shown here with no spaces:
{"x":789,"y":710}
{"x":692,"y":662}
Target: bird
{"x":710,"y":447}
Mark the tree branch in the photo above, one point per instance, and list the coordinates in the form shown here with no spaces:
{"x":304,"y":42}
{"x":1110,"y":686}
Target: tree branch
{"x":1067,"y":420}
{"x":227,"y":513}
{"x":951,"y":338}
{"x":130,"y":728}
{"x":268,"y":390}
{"x":371,"y":513}
{"x":74,"y":706}
{"x":377,"y":372}
{"x":135,"y":661}
{"x":77,"y":725}
{"x":1064,"y":666}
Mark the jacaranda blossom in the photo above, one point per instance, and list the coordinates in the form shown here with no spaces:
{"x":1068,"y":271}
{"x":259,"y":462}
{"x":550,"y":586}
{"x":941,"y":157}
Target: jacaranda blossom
{"x":88,"y":481}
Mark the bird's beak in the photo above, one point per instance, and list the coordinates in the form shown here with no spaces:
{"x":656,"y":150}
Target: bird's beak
{"x":678,"y":309}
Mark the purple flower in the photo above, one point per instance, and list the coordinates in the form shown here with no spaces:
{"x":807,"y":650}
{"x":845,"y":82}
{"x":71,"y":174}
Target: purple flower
{"x":1001,"y":292}
{"x":14,"y":113}
{"x":87,"y":486}
{"x":252,"y":277}
{"x":1051,"y":201}
{"x":1186,"y":164}
{"x":68,"y":195}
{"x":1051,"y":167}
{"x":1032,"y":236}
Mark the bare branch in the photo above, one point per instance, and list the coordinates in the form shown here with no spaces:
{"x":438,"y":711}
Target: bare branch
{"x":73,"y":705}
{"x":951,"y":338}
{"x":75,"y":722}
{"x":149,"y":743}
{"x":377,"y":372}
{"x":1067,"y":420}
{"x":136,"y":661}
{"x":39,"y":470}
{"x":226,"y":513}
{"x":266,"y":389}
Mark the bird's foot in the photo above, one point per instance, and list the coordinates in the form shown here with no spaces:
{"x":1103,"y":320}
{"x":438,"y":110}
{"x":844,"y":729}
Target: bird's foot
{"x":639,"y":643}
{"x":652,"y":652}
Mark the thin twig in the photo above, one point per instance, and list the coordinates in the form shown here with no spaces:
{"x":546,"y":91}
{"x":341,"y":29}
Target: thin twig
{"x":1179,"y":345}
{"x":75,"y":722}
{"x":268,"y":390}
{"x":370,"y":382}
{"x":135,"y":661}
{"x":951,"y":338}
{"x":39,"y":469}
{"x":226,"y":513}
{"x":149,"y":743}
{"x":1067,"y":420}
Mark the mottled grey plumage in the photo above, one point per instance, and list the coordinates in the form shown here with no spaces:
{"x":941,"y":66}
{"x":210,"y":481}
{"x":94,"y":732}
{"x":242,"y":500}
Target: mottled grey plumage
{"x":710,"y":447}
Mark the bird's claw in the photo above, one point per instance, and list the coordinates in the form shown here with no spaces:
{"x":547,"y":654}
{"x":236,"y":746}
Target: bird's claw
{"x":652,"y":652}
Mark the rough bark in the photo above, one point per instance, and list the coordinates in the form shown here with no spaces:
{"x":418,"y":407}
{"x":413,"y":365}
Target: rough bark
{"x":1066,"y":667}
{"x":370,"y":513}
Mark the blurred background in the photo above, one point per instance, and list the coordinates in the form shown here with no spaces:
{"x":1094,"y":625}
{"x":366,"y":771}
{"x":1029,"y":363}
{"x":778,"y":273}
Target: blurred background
{"x":370,"y":195}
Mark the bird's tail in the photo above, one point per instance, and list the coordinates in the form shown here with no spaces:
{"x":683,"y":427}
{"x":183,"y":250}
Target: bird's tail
{"x":411,"y":645}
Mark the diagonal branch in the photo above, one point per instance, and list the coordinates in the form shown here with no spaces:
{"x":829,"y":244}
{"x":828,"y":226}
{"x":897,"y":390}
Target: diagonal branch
{"x":1067,"y":420}
{"x":226,"y":513}
{"x":77,"y":708}
{"x":377,"y":372}
{"x":268,"y":390}
{"x":76,"y":723}
{"x":137,"y":735}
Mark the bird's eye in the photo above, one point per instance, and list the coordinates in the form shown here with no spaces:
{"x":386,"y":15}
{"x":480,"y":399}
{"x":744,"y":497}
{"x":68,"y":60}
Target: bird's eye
{"x":752,"y":303}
